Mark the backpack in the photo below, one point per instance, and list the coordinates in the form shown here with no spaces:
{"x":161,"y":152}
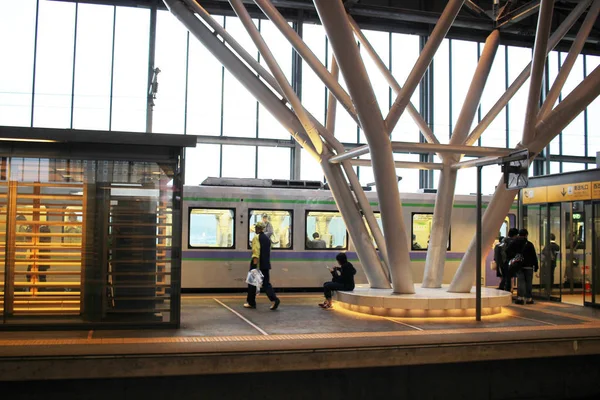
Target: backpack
{"x":517,"y":262}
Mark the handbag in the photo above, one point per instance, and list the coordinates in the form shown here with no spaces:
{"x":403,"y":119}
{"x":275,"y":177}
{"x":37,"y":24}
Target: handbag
{"x":255,"y":278}
{"x":516,"y":263}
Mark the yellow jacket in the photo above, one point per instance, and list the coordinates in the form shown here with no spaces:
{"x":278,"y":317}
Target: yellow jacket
{"x":256,"y":249}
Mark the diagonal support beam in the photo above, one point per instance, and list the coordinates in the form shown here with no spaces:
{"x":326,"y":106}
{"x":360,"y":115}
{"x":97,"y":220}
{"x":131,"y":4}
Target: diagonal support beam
{"x":435,"y":39}
{"x":574,"y":51}
{"x":308,"y":56}
{"x":333,"y":18}
{"x":444,"y":200}
{"x":546,"y":130}
{"x":540,"y":50}
{"x":556,"y":37}
{"x":417,"y":118}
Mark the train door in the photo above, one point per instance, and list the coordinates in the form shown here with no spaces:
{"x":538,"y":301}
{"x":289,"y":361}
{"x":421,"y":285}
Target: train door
{"x":548,"y":279}
{"x":578,"y":250}
{"x":592,"y":290}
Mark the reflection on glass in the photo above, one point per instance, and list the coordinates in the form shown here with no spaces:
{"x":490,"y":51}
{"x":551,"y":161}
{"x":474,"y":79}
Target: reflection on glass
{"x":329,"y":226}
{"x":278,"y":227}
{"x":210,"y":227}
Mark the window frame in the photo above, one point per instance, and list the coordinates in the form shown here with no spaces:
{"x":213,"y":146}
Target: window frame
{"x":290,"y":211}
{"x":190,"y":210}
{"x":412,"y":232}
{"x":306,"y":212}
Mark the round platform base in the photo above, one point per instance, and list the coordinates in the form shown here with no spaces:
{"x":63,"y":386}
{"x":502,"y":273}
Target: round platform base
{"x":424,"y":303}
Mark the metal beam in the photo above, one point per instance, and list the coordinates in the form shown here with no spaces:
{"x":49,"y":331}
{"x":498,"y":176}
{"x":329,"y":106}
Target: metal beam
{"x":519,"y":14}
{"x":401,"y":164}
{"x":425,"y":148}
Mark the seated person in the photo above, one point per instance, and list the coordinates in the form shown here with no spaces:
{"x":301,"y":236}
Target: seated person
{"x":343,"y":279}
{"x":317,"y":242}
{"x":415,"y":244}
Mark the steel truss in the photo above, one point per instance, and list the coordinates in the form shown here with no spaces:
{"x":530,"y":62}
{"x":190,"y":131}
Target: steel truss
{"x":392,"y":266}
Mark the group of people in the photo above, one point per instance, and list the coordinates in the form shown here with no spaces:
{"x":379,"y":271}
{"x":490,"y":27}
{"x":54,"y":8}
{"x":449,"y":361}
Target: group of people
{"x":342,"y":274}
{"x":514,"y":255}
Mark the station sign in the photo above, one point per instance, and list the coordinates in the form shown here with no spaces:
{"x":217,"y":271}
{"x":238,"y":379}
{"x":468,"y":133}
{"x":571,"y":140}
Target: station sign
{"x":535,"y":195}
{"x":570,"y":192}
{"x":558,"y":193}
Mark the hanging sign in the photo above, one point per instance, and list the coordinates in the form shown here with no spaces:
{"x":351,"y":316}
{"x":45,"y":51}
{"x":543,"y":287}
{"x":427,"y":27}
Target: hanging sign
{"x":570,"y":192}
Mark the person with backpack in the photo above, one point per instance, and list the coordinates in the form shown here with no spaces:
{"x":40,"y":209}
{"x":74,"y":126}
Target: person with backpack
{"x":523,"y":262}
{"x":499,"y":258}
{"x":506,"y":282}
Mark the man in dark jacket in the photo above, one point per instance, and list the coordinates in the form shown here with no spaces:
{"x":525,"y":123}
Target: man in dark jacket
{"x":506,"y":282}
{"x":530,"y":264}
{"x":343,"y":279}
{"x":261,"y":258}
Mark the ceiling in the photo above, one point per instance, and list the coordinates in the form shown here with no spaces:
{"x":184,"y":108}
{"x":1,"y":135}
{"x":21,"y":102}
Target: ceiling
{"x":516,"y":19}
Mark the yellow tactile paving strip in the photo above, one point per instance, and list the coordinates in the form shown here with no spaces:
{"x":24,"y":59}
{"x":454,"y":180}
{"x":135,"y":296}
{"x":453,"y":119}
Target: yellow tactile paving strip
{"x":213,"y":339}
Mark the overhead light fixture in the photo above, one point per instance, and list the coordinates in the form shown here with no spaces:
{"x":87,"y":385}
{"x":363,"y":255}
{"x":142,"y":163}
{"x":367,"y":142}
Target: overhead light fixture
{"x":28,"y":140}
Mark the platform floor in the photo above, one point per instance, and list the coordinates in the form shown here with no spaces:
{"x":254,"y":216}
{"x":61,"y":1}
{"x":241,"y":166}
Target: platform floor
{"x":297,"y":336}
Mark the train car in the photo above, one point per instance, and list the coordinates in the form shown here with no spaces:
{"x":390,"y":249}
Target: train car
{"x":218,"y":229}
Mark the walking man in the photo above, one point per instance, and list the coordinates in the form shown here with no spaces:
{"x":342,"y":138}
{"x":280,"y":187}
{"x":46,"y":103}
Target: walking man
{"x":261,"y":258}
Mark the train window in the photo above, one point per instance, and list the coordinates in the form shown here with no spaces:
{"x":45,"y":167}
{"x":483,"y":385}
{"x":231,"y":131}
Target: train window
{"x":211,"y":227}
{"x":421,"y":229}
{"x":278,"y":226}
{"x":325,"y":230}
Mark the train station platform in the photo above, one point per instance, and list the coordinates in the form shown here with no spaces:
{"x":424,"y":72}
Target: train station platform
{"x":220,"y":337}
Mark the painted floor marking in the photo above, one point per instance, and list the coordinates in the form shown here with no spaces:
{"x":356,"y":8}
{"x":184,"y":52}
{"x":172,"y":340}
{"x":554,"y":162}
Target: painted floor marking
{"x":403,"y":323}
{"x":533,"y":319}
{"x":557,"y":313}
{"x":242,"y":317}
{"x":306,"y":336}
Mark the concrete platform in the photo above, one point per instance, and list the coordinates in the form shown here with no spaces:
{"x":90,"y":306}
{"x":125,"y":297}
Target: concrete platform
{"x":423,"y":303}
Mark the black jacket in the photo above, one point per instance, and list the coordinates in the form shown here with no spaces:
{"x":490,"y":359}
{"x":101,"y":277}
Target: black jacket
{"x":265,"y":251}
{"x":345,"y":275}
{"x":526,"y":248}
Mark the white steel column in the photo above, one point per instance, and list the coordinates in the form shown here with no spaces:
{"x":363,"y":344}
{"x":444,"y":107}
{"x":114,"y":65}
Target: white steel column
{"x":537,"y":68}
{"x":545,"y":131}
{"x":417,"y":118}
{"x":282,"y":81}
{"x":436,"y":251}
{"x":574,"y":51}
{"x":556,"y":37}
{"x":415,"y":76}
{"x":308,"y":56}
{"x":259,"y":90}
{"x":333,"y":18}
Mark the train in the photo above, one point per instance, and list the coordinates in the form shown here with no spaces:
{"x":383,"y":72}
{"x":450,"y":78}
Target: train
{"x":219,"y":216}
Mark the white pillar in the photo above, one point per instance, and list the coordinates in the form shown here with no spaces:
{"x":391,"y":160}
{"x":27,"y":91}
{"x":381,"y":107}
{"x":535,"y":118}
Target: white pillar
{"x":442,"y":213}
{"x":333,"y":18}
{"x":545,"y":131}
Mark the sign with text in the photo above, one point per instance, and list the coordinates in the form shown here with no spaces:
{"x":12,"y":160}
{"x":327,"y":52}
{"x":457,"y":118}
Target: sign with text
{"x":596,"y":190}
{"x":569,"y":192}
{"x":535,"y":195}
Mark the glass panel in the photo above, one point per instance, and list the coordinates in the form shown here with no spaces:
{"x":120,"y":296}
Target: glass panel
{"x":17,"y":22}
{"x":171,"y":59}
{"x":211,"y":227}
{"x":586,"y":268}
{"x":379,"y":222}
{"x":92,"y":240}
{"x":130,"y":80}
{"x":421,"y":230}
{"x":575,"y":227}
{"x":204,"y":90}
{"x":93,"y":64}
{"x":201,"y":162}
{"x":238,"y":161}
{"x":533,"y":219}
{"x":278,"y":226}
{"x":273,"y":163}
{"x":54,"y":68}
{"x":441,"y":92}
{"x":329,"y":226}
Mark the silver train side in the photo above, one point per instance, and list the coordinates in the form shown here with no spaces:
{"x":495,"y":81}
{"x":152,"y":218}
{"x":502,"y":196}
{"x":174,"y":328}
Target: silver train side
{"x":299,"y":266}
